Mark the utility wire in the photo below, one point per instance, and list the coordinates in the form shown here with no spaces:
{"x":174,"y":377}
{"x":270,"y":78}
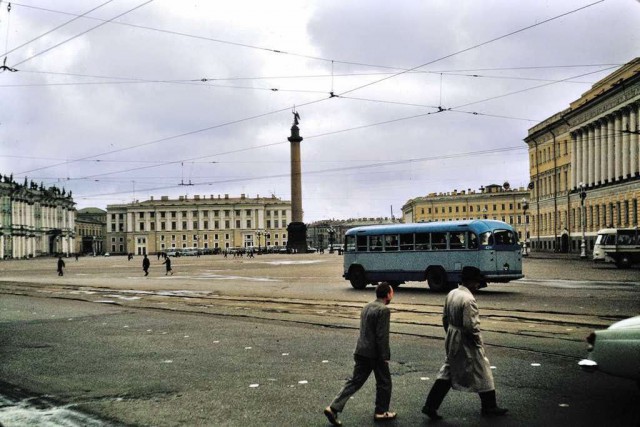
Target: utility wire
{"x":332,"y":170}
{"x":440,"y":110}
{"x":320,"y":100}
{"x":82,"y":33}
{"x":473,"y":47}
{"x":55,"y":29}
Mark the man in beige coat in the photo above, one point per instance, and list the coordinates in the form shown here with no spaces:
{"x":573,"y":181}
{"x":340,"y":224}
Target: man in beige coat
{"x":466,"y":367}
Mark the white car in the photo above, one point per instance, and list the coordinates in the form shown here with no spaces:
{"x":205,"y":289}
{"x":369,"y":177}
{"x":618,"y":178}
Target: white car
{"x":615,"y":350}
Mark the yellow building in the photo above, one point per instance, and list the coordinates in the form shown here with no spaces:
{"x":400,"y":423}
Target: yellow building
{"x":91,"y":228}
{"x":590,"y":149}
{"x":210,"y":222}
{"x":493,"y":202}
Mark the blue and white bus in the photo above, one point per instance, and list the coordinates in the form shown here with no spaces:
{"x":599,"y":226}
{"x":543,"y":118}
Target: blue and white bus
{"x":433,"y":251}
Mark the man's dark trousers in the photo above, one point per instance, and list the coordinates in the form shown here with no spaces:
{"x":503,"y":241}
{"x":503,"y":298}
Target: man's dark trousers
{"x":361,"y":372}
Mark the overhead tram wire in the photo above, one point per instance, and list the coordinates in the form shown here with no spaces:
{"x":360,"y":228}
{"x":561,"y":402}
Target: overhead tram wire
{"x":331,"y":170}
{"x":349,"y":91}
{"x":82,"y":33}
{"x":473,"y":47}
{"x":453,"y":109}
{"x":199,"y":81}
{"x":278,"y":51}
{"x":56,"y":28}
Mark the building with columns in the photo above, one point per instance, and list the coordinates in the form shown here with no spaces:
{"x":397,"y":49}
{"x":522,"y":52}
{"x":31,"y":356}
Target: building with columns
{"x":584,"y":164}
{"x":225,"y":222}
{"x":91,"y":228}
{"x":492,"y":202}
{"x":34,"y":220}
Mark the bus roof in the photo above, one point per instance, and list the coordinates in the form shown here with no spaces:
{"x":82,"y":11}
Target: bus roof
{"x":475,"y":225}
{"x":615,"y":230}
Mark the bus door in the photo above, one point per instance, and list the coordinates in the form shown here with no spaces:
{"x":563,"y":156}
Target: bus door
{"x":505,"y":244}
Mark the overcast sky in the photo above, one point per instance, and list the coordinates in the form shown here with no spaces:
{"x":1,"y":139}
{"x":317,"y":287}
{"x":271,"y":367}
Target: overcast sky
{"x":137,"y":97}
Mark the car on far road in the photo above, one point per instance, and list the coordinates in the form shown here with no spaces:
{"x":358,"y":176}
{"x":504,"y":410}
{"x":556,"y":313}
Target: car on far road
{"x":615,"y":350}
{"x":172,"y":252}
{"x":107,"y":254}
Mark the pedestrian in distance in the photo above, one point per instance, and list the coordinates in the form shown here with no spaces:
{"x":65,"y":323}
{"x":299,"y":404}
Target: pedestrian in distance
{"x":61,"y":266}
{"x":145,"y":265}
{"x":167,"y":262}
{"x":466,"y":367}
{"x":372,"y":354}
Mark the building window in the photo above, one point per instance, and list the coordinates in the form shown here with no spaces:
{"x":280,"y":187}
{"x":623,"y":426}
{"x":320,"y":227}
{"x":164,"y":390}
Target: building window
{"x":237,"y":223}
{"x":162,"y":214}
{"x":195,"y":225}
{"x":141,"y":215}
{"x":153,"y":226}
{"x":226,"y":236}
{"x":184,"y":225}
{"x":174,"y":225}
{"x":216,"y":224}
{"x":248,"y":223}
{"x":142,"y":226}
{"x":206,"y":225}
{"x":184,"y":237}
{"x":268,"y":223}
{"x":227,"y":224}
{"x":173,"y":214}
{"x":163,"y":226}
{"x":248,"y":212}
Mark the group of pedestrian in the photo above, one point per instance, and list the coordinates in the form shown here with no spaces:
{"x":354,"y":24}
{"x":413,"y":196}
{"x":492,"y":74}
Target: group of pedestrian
{"x":466,"y":367}
{"x":146,"y":264}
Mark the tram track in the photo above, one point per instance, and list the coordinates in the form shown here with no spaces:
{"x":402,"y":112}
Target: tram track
{"x":514,"y":326}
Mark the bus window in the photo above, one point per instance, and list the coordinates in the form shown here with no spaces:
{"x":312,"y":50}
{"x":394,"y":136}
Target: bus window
{"x":504,"y":237}
{"x":422,"y":242}
{"x":438,"y":241}
{"x":473,"y":241}
{"x":362,"y":243}
{"x":406,"y":242}
{"x":350,"y":243}
{"x":375,"y":243}
{"x":391,"y":242}
{"x":456,"y":240}
{"x":626,"y":237}
{"x":486,"y":239}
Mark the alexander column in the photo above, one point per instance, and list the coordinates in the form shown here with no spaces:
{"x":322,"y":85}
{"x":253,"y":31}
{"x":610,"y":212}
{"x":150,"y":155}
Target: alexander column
{"x":297,"y":231}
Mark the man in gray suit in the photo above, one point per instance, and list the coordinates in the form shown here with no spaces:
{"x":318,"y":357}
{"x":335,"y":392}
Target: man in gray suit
{"x":372,"y":354}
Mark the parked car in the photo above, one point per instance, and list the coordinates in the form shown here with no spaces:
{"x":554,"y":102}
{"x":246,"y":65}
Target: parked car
{"x":172,"y":252}
{"x":615,"y":350}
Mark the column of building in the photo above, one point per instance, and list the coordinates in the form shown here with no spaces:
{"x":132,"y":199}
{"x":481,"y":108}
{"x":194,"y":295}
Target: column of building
{"x":607,"y":150}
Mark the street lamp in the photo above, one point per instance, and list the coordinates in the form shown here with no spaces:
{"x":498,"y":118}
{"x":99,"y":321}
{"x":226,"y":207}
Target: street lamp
{"x":525,"y":206}
{"x":583,"y":244}
{"x":266,"y":235}
{"x":332,"y":234}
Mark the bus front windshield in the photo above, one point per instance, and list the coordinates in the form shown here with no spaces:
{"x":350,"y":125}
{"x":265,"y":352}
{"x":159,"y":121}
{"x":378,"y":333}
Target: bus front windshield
{"x":498,"y":238}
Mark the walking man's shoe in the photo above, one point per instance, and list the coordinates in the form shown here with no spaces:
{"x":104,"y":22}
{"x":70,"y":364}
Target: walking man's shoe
{"x":332,"y":416}
{"x":494,"y":412}
{"x":385,"y":416}
{"x":431,"y":413}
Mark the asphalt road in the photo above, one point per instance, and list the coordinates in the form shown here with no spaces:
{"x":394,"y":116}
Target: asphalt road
{"x":268,"y":341}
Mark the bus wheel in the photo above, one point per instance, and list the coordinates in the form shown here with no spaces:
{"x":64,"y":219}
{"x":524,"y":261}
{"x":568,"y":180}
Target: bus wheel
{"x":357,"y":278}
{"x":623,"y":262}
{"x":437,"y":279}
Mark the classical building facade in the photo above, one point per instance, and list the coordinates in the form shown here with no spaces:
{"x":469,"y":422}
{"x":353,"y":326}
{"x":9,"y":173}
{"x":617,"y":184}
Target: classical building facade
{"x":584,"y":165}
{"x":491,"y":202}
{"x":34,"y":220}
{"x":203,"y":222}
{"x":91,"y":231}
{"x":321,"y":234}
